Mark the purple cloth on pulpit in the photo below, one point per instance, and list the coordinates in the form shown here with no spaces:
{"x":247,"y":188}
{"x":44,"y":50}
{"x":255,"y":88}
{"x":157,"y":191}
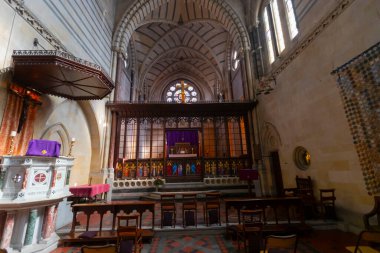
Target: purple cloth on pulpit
{"x":44,"y":148}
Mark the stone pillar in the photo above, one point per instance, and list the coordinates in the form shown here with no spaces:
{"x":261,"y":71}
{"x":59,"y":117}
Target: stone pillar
{"x":112,"y":144}
{"x":248,"y":72}
{"x":109,"y":180}
{"x":48,"y":225}
{"x":52,"y":182}
{"x":8,"y":230}
{"x":55,"y":214}
{"x":26,"y":175}
{"x":30,"y":228}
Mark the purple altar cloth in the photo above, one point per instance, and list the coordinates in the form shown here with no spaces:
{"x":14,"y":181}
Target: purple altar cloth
{"x":44,"y":148}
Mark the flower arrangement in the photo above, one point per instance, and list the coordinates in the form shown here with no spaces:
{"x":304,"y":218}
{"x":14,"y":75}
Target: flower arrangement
{"x":158,"y":181}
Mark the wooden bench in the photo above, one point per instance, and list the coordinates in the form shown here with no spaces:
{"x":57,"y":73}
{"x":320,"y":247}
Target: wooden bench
{"x":114,"y":207}
{"x":280,"y":214}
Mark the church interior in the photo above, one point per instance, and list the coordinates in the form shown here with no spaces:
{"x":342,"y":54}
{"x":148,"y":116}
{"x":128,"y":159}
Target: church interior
{"x":209,"y":125}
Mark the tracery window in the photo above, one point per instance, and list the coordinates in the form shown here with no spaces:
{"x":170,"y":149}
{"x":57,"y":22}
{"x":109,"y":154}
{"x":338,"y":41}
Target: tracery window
{"x":268,"y":36}
{"x":128,"y":138}
{"x":182,"y":92}
{"x":273,"y":32}
{"x":235,"y":60}
{"x":277,"y":26}
{"x":291,"y":18}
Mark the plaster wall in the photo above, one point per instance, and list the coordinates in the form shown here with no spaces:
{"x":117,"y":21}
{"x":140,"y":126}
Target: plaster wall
{"x":307,"y":110}
{"x":83,"y":27}
{"x":16,"y":33}
{"x":70,"y":115}
{"x":237,"y":84}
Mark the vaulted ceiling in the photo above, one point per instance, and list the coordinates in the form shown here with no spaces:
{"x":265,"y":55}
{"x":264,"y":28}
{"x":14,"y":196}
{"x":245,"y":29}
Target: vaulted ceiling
{"x":190,"y":39}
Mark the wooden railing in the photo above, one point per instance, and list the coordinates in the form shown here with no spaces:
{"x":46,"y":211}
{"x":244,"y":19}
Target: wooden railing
{"x":279,"y":214}
{"x":114,"y":207}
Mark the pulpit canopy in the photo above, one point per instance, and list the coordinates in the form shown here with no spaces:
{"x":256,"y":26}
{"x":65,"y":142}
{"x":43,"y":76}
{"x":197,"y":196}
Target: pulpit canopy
{"x":61,"y":74}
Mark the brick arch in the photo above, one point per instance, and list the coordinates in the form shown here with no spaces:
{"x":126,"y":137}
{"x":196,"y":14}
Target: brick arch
{"x":135,"y":16}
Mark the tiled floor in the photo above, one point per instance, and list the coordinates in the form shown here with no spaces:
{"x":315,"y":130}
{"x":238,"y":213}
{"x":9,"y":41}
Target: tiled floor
{"x":317,"y":241}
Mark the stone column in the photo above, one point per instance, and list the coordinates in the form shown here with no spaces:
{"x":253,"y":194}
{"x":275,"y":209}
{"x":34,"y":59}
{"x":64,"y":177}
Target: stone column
{"x":52,"y":182}
{"x":25,"y":181}
{"x":248,"y":72}
{"x":30,"y":228}
{"x":48,"y":225}
{"x":114,"y":118}
{"x":54,"y":218}
{"x":8,"y":230}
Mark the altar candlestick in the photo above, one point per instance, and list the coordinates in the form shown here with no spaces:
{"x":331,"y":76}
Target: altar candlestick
{"x":12,"y":144}
{"x":71,"y":147}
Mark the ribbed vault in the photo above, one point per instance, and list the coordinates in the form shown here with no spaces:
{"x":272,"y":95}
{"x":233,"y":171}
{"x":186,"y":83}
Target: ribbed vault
{"x":169,"y":37}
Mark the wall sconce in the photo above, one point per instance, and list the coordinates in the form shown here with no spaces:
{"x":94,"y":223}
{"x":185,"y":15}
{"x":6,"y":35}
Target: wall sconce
{"x":17,"y":178}
{"x":12,"y":144}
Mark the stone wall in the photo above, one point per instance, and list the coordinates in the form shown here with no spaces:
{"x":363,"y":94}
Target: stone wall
{"x":57,"y":118}
{"x":306,"y":109}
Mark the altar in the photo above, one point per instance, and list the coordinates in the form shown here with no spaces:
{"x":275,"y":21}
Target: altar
{"x":182,"y":143}
{"x":182,"y":155}
{"x":199,"y":142}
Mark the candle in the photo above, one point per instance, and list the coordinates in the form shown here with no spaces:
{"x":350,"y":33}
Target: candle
{"x":73,"y":139}
{"x":13,"y":133}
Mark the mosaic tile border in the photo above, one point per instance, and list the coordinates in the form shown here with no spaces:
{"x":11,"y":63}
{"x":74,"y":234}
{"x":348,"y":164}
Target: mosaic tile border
{"x":359,"y":84}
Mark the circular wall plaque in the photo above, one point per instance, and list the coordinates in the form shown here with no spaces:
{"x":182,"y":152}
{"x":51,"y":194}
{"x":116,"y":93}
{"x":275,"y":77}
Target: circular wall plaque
{"x":301,"y":158}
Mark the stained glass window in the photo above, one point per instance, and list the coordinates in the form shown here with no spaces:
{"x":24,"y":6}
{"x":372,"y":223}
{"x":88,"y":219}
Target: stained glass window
{"x":182,"y":92}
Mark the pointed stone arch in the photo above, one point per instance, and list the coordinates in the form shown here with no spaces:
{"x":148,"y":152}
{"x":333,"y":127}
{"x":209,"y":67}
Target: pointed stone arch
{"x":271,"y":139}
{"x":93,"y":126}
{"x":59,"y":130}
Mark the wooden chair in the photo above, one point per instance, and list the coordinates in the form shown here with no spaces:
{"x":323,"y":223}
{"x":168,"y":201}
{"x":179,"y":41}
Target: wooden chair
{"x":366,"y":237}
{"x":129,"y":236}
{"x":286,"y":243}
{"x":305,"y":191}
{"x":109,"y":248}
{"x":168,"y":207}
{"x":212,"y":203}
{"x":3,"y":251}
{"x":375,"y":212}
{"x":250,"y":231}
{"x":327,"y":200}
{"x":189,"y":205}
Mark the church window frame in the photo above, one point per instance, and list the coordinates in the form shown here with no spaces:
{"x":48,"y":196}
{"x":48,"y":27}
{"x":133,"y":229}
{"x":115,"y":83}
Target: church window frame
{"x":235,"y":60}
{"x":291,"y":19}
{"x":182,"y":91}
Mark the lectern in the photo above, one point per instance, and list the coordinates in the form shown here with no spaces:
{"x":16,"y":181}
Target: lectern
{"x":248,"y":175}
